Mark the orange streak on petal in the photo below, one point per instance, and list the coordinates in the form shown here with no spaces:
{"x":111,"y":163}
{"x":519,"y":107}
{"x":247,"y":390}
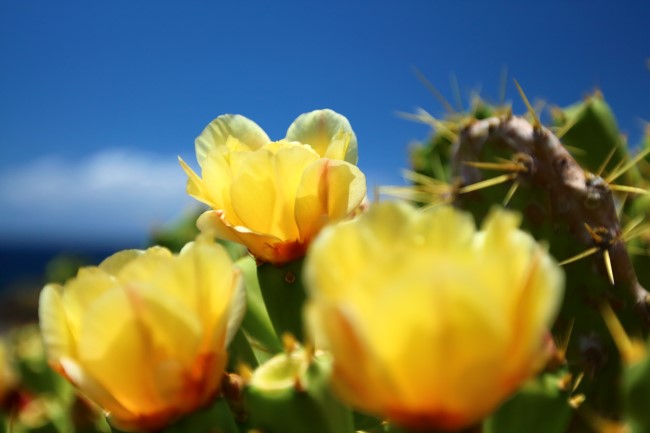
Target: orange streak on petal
{"x":445,"y":420}
{"x":324,"y":186}
{"x":284,"y":252}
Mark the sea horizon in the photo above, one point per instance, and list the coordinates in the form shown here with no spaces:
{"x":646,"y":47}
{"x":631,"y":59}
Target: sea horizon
{"x":25,"y":264}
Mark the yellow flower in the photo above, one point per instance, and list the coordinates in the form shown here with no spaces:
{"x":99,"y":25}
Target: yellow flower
{"x":274,"y":197}
{"x":144,"y":335}
{"x":431,"y":323}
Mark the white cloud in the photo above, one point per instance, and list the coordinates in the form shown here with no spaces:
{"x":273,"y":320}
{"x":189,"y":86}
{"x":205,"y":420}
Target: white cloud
{"x":113,"y":196}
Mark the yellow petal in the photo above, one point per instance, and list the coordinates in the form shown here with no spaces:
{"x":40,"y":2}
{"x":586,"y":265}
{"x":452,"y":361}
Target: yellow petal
{"x":54,"y":325}
{"x":329,"y":190}
{"x":93,"y":389}
{"x":170,"y":329}
{"x":80,"y":292}
{"x":261,"y":245}
{"x":219,"y":290}
{"x":340,"y":253}
{"x":453,"y":232}
{"x":338,"y":147}
{"x":217,"y":132}
{"x":355,"y":367}
{"x":522,"y":277}
{"x":174,"y":336}
{"x":146,"y":266}
{"x":113,"y":264}
{"x":263,"y":195}
{"x":114,"y":350}
{"x":328,"y":132}
{"x":464,"y":328}
{"x":150,"y":334}
{"x":195,"y":186}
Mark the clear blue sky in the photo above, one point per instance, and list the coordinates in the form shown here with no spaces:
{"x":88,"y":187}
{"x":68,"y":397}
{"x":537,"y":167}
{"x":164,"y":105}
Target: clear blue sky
{"x":98,"y":97}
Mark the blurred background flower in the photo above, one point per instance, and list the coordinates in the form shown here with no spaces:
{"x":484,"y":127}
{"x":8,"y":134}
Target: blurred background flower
{"x":431,"y":323}
{"x":144,"y":335}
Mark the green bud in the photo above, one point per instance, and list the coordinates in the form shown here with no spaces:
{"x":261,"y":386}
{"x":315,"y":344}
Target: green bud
{"x":290,"y":393}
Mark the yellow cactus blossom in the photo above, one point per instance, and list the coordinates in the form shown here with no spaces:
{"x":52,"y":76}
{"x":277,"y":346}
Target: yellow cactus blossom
{"x":274,"y":197}
{"x":144,"y":334}
{"x":431,"y":323}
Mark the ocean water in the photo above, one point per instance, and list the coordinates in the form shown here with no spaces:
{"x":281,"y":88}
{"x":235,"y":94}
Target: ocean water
{"x":23,"y":266}
{"x":24,"y":271}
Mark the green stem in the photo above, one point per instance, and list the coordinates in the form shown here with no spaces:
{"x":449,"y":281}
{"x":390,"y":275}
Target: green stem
{"x":256,"y":322}
{"x":284,"y":296}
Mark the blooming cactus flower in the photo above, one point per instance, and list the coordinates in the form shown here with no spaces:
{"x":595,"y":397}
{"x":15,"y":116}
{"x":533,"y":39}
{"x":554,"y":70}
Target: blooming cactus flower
{"x":431,"y":323}
{"x":274,"y":197}
{"x":144,"y":335}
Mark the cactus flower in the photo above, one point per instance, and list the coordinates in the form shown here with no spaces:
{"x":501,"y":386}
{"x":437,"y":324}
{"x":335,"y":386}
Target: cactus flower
{"x":144,"y":334}
{"x":431,"y":323}
{"x":274,"y":197}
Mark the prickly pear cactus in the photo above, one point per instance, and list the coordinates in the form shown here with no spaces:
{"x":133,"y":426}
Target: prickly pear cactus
{"x":582,"y":191}
{"x":290,"y":344}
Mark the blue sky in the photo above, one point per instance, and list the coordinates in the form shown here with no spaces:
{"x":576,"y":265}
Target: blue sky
{"x":98,"y":98}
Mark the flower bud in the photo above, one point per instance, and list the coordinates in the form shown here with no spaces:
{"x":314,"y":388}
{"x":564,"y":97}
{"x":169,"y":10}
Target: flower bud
{"x":290,"y":393}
